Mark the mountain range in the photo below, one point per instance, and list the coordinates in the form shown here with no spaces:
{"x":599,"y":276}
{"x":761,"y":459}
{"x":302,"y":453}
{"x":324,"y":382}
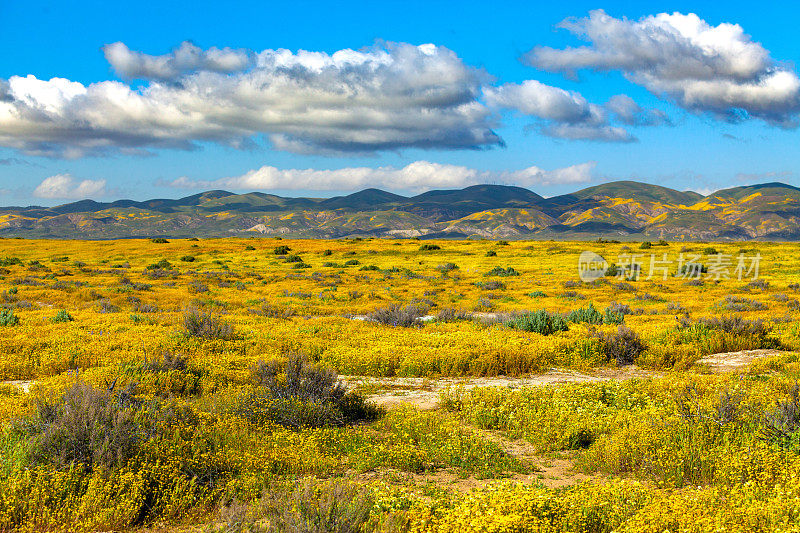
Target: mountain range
{"x":620,"y":209}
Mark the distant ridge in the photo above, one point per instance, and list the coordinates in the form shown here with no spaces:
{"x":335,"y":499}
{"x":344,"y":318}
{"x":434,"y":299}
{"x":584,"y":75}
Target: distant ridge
{"x":618,"y":209}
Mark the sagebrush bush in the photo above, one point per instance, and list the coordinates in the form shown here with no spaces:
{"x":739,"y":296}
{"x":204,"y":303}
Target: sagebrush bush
{"x":738,"y":303}
{"x":206,"y":325}
{"x":395,"y":315}
{"x":295,"y":393}
{"x":275,"y":311}
{"x":449,"y":314}
{"x":309,"y":506}
{"x":736,"y":325}
{"x":623,"y":346}
{"x":85,"y":425}
{"x":782,"y":425}
{"x":491,"y":285}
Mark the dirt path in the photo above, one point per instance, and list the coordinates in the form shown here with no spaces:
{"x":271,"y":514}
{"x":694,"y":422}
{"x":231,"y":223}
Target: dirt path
{"x":24,"y":385}
{"x":552,"y":472}
{"x":424,"y":393}
{"x":731,"y":361}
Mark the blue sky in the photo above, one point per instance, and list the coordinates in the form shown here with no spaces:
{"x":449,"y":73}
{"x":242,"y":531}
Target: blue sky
{"x":477,"y":106}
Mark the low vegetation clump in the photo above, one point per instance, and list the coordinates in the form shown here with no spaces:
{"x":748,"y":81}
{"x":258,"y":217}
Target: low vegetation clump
{"x":206,"y":325}
{"x":86,"y":425}
{"x":297,"y":394}
{"x":62,"y":316}
{"x":623,"y":346}
{"x":8,"y":318}
{"x":503,"y":272}
{"x":403,"y":316}
{"x":540,"y":322}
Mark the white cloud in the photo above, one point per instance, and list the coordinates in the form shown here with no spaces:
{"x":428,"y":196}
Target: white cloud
{"x":64,"y":186}
{"x":185,"y":59}
{"x":568,"y":115}
{"x":416,"y":176}
{"x":629,"y":112}
{"x":386,"y":97}
{"x":703,"y":68}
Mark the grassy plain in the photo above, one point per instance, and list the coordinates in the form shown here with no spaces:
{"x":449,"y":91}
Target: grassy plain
{"x":146,"y":407}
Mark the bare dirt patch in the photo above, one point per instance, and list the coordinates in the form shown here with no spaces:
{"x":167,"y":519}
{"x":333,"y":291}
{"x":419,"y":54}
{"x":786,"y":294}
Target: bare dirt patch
{"x":732,"y":361}
{"x":423,"y":393}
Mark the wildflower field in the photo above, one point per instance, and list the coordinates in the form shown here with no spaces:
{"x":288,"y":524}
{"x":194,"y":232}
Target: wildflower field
{"x":185,"y":384}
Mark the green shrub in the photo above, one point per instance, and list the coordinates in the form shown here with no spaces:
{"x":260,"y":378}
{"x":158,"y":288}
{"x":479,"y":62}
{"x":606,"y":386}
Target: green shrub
{"x":614,"y":315}
{"x":282,"y":250}
{"x":62,"y":316}
{"x":491,"y":253}
{"x":159,"y":240}
{"x":503,"y":272}
{"x":585,"y":315}
{"x":161,"y":265}
{"x":10,"y":261}
{"x":491,"y":285}
{"x":188,"y":258}
{"x":249,"y":248}
{"x":8,"y":318}
{"x":429,"y":247}
{"x":539,"y":321}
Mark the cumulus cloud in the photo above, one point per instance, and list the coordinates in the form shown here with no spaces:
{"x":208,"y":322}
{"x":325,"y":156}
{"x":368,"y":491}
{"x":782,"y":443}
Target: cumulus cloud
{"x":391,"y":96}
{"x":703,"y":68}
{"x":64,"y":186}
{"x":627,"y":111}
{"x":185,"y":59}
{"x":416,"y":176}
{"x":568,"y":115}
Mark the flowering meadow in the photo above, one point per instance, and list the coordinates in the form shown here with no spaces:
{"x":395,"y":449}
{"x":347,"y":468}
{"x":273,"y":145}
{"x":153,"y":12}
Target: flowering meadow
{"x":185,"y":384}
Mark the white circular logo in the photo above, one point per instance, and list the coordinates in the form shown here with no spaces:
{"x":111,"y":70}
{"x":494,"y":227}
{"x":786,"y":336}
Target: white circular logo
{"x":591,"y":266}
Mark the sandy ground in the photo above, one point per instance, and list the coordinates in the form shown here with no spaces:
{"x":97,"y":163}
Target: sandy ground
{"x":424,"y":393}
{"x":731,"y":361}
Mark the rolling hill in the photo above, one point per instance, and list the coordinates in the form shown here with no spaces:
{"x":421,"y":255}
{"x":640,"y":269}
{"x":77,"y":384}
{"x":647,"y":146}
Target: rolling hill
{"x":620,"y":209}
